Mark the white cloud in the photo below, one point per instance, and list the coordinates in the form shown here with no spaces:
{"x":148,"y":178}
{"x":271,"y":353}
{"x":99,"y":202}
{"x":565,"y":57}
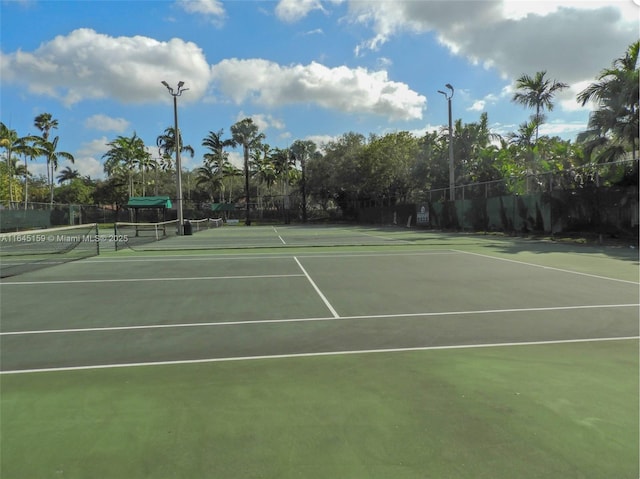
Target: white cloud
{"x":315,"y":31}
{"x":322,"y":140}
{"x":105,"y":123}
{"x":562,"y":129}
{"x":88,"y":65}
{"x":478,"y":105}
{"x":512,"y":36}
{"x":428,"y":128}
{"x":88,"y":166}
{"x":211,"y":9}
{"x":350,"y":90}
{"x":518,"y":9}
{"x":263,"y":121}
{"x":384,"y":62}
{"x":236,"y":158}
{"x":97,"y":147}
{"x":88,"y":158}
{"x":568,"y":98}
{"x":293,"y":10}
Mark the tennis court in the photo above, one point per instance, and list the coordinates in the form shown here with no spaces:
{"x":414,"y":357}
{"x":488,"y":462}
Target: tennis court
{"x":232,"y":296}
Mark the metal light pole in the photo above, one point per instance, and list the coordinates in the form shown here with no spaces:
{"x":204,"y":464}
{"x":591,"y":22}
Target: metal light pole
{"x":452,"y":180}
{"x":176,"y":132}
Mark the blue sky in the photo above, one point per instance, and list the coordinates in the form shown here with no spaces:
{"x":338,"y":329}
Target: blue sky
{"x":303,"y":69}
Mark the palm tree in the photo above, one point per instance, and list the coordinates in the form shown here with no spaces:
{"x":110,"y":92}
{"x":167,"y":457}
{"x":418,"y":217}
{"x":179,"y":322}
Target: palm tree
{"x":122,"y":155}
{"x":45,"y":123}
{"x":216,"y":145}
{"x":302,"y":151}
{"x":145,"y":163}
{"x":67,"y":175}
{"x":231,"y":172}
{"x":10,"y":142}
{"x":245,"y":133}
{"x":216,"y":159}
{"x":52,"y":157}
{"x":209,"y":177}
{"x":613,"y":127}
{"x":263,"y":170}
{"x":30,"y":147}
{"x":166,"y":143}
{"x":538,"y":93}
{"x":521,"y":146}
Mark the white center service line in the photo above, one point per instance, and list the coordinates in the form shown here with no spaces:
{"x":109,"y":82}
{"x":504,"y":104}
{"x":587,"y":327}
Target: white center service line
{"x":322,"y":296}
{"x":280,"y":237}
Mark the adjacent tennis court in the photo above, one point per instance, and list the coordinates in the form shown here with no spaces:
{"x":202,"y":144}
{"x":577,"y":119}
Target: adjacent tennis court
{"x":352,"y":352}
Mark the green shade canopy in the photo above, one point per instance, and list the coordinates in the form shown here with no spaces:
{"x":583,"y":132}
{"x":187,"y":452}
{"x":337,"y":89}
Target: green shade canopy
{"x":149,"y":202}
{"x":223,"y":207}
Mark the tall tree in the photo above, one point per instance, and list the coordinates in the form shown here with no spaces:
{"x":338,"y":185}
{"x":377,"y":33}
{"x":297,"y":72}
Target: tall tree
{"x":45,"y":123}
{"x":215,"y":160}
{"x":10,"y":142}
{"x":209,"y":178}
{"x":67,"y":175}
{"x":245,"y":133}
{"x":167,"y":143}
{"x":216,"y":145}
{"x":537,"y":92}
{"x":31,"y":148}
{"x":53,"y":156}
{"x":123,"y":154}
{"x":613,"y":126}
{"x":145,"y":163}
{"x":302,"y":151}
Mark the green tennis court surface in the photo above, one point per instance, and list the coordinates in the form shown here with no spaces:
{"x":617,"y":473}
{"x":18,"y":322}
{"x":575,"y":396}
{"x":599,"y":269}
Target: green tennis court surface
{"x":265,"y":352}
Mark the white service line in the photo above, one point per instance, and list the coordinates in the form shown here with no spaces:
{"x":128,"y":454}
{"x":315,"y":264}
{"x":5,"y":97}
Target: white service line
{"x":251,"y":257}
{"x":327,"y":353}
{"x":547,"y":267}
{"x":322,"y":296}
{"x":386,"y":238}
{"x":316,"y":319}
{"x":136,"y":280}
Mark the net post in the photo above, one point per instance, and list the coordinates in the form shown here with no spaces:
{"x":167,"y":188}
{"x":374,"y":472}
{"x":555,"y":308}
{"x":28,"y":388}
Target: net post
{"x":97,"y":240}
{"x":115,"y":234}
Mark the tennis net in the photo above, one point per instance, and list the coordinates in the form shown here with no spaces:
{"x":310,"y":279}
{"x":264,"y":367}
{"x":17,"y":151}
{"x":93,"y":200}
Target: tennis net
{"x":134,"y":234}
{"x":31,"y":250}
{"x":205,"y":224}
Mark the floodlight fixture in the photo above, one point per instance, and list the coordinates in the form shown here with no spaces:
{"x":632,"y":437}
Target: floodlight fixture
{"x":451,"y":170}
{"x":177,"y":146}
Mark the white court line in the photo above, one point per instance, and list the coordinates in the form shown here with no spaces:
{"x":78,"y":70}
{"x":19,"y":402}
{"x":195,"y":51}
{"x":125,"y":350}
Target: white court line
{"x":326,"y":353}
{"x":322,"y":296}
{"x":385,"y":238}
{"x":135,"y":280}
{"x":548,"y":267}
{"x":276,"y":232}
{"x":328,"y":318}
{"x":251,"y":257}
